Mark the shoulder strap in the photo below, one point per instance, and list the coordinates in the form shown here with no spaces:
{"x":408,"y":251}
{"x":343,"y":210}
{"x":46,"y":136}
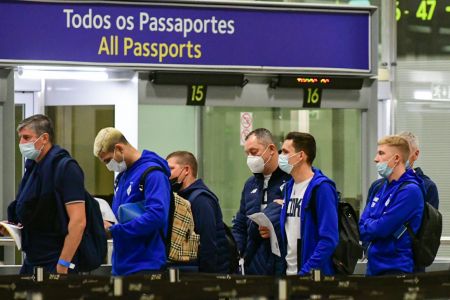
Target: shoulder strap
{"x":144,"y":176}
{"x":60,"y":167}
{"x":408,"y":227}
{"x":165,"y":238}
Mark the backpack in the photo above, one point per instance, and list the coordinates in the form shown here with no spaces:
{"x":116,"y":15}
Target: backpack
{"x":93,"y":246}
{"x":349,"y":249}
{"x":233,"y":252}
{"x":425,"y":244}
{"x":181,"y":241}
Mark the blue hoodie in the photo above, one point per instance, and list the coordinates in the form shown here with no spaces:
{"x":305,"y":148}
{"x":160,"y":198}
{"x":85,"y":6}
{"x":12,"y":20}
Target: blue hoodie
{"x":382,"y":220}
{"x":139,"y":245}
{"x":319,"y":234}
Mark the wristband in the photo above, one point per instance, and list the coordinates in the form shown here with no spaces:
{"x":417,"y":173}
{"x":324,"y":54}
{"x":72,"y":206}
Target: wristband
{"x":66,"y":264}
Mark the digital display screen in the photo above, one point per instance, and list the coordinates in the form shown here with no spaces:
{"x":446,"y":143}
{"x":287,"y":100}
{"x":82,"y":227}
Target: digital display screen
{"x":423,"y":27}
{"x":325,"y":82}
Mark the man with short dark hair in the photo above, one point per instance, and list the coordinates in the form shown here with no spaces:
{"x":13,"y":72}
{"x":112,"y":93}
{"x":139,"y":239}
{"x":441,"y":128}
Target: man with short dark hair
{"x":138,"y":245}
{"x":213,"y":255}
{"x":308,"y":221}
{"x":260,"y":194}
{"x":51,"y":231}
{"x":393,"y":205}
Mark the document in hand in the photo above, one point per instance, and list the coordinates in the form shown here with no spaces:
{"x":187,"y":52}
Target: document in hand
{"x":107,"y":213}
{"x":262,"y":220}
{"x":15,"y":232}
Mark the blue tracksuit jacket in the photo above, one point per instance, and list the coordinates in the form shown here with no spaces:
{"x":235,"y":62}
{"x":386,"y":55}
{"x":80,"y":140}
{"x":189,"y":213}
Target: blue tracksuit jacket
{"x":319,"y":234}
{"x":259,"y":259}
{"x":138,"y":245}
{"x":381,"y":222}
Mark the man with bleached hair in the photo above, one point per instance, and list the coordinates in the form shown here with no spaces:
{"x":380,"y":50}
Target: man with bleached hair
{"x":138,"y":244}
{"x":392,"y":205}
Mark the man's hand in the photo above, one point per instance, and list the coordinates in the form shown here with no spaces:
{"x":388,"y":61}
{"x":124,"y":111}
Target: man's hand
{"x":279,"y":201}
{"x":3,"y":231}
{"x":107,"y":224}
{"x":61,"y":269}
{"x":264,"y":232}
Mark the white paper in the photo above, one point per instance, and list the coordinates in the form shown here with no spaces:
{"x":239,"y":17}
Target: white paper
{"x":107,"y":213}
{"x":15,"y":232}
{"x":262,"y":220}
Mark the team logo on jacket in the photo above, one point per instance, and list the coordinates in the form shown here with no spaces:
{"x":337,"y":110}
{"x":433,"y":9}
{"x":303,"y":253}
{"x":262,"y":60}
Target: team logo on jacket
{"x":129,"y":188}
{"x":254,"y":191}
{"x":374,"y":201}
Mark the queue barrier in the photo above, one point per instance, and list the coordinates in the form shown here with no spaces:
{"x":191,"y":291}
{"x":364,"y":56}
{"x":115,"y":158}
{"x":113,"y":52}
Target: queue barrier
{"x":167,"y":285}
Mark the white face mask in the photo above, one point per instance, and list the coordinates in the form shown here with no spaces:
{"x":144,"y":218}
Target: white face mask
{"x":29,"y":151}
{"x":256,"y":163}
{"x":115,"y":166}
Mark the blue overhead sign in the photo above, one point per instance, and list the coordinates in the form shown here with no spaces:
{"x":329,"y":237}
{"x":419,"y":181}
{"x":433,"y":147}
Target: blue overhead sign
{"x":186,"y":36}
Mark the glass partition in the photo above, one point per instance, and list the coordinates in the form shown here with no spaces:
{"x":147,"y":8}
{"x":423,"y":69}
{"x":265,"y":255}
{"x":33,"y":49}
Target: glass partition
{"x":337,"y":133}
{"x":75,"y":130}
{"x":423,"y":91}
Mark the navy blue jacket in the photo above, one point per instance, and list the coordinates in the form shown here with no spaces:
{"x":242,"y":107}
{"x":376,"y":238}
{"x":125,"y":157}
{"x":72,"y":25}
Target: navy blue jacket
{"x":319,"y":233}
{"x":259,"y":259}
{"x":431,"y":191}
{"x":387,"y":210}
{"x":213,"y":254}
{"x":138,"y":244}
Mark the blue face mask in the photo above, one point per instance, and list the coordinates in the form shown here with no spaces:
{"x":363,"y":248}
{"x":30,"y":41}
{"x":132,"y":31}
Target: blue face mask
{"x":383,"y":169}
{"x":29,"y":151}
{"x":283,"y":163}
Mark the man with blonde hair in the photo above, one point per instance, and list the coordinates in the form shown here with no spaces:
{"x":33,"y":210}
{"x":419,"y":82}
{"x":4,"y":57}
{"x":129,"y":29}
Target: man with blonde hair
{"x":431,"y":191}
{"x":396,"y":203}
{"x":139,"y":243}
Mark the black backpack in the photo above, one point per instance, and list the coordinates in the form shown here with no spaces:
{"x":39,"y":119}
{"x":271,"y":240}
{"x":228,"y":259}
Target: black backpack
{"x":93,"y":246}
{"x":349,"y":249}
{"x":425,"y":244}
{"x":232,"y":250}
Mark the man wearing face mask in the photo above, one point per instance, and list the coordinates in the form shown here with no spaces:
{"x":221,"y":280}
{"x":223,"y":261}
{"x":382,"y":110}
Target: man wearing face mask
{"x":308,"y":219}
{"x":261,"y":193}
{"x":213,"y":251}
{"x":397,"y":202}
{"x":431,"y":191}
{"x":138,"y":245}
{"x":50,"y":235}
